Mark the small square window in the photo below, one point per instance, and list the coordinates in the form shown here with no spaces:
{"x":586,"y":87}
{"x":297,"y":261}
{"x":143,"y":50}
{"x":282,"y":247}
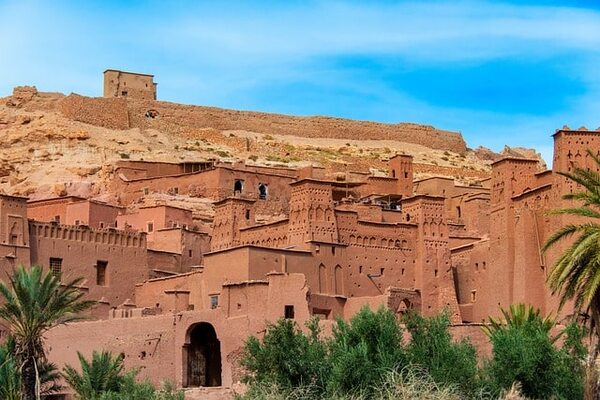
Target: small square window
{"x":146,"y":191}
{"x":288,"y":312}
{"x":56,"y":267}
{"x":214,"y":301}
{"x":57,"y":219}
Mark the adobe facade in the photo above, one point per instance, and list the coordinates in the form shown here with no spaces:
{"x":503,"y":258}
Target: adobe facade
{"x":178,"y":295}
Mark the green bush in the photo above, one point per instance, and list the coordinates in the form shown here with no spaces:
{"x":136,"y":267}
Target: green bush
{"x":104,"y":378}
{"x":286,"y":357}
{"x":526,"y":352}
{"x":362,"y":351}
{"x":365,"y":358}
{"x":433,"y":348}
{"x":133,"y":390}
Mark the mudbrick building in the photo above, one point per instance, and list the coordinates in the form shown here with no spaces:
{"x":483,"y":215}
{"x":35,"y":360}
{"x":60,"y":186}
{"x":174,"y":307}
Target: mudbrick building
{"x":178,"y":293}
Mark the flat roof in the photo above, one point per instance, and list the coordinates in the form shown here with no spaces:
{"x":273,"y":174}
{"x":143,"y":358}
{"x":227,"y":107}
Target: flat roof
{"x":578,"y":131}
{"x":327,"y":182}
{"x":11,"y":196}
{"x":49,"y":199}
{"x":127,"y":72}
{"x":257,"y":247}
{"x":520,"y":159}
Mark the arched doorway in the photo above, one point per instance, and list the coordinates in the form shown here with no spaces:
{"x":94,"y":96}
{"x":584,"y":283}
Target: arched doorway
{"x":202,"y":357}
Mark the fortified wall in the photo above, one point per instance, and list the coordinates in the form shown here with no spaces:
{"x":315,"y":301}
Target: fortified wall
{"x":122,"y":113}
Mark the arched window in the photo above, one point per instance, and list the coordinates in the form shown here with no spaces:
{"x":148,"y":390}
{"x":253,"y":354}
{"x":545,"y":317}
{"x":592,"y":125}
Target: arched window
{"x":262,"y":191}
{"x":238,"y":186}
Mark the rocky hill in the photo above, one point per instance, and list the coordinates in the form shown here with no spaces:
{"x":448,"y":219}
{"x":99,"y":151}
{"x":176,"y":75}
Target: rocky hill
{"x":54,"y":144}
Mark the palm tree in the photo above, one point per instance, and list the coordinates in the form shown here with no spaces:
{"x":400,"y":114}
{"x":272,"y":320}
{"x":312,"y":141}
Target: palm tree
{"x":103,"y":374}
{"x":576,"y":273}
{"x":35,"y":302}
{"x":520,"y":315}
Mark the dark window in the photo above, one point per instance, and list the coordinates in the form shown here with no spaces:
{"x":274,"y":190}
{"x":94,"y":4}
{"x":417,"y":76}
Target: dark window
{"x":101,"y":273}
{"x":247,"y":214}
{"x":56,"y":267}
{"x":262,"y":191}
{"x":124,"y":93}
{"x":57,"y":219}
{"x":146,"y":191}
{"x":189,"y":253}
{"x":150,"y":226}
{"x":238,"y":186}
{"x":101,"y":225}
{"x":458,"y":213}
{"x":333,"y":250}
{"x":393,"y":173}
{"x":77,"y":222}
{"x":289,"y":312}
{"x":406,"y":174}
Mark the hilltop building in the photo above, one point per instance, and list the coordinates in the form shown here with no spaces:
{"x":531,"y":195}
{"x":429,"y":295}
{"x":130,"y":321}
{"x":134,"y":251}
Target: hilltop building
{"x":129,"y":84}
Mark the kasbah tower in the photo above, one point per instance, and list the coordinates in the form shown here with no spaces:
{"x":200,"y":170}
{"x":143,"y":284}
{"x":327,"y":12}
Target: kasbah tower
{"x":178,"y":294}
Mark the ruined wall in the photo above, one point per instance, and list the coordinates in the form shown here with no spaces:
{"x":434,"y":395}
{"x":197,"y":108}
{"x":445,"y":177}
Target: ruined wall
{"x":106,"y":112}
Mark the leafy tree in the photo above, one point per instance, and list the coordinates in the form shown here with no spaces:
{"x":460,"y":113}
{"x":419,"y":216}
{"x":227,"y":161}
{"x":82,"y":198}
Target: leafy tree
{"x":364,"y":350}
{"x":576,"y":273}
{"x":525,"y":352}
{"x":432,"y":347}
{"x":103,"y":374}
{"x":286,"y":356}
{"x":35,"y":302}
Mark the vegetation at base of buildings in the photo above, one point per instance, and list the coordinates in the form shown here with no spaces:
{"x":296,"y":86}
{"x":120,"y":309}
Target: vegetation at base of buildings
{"x":366,"y":358}
{"x":35,"y":301}
{"x":105,"y":378}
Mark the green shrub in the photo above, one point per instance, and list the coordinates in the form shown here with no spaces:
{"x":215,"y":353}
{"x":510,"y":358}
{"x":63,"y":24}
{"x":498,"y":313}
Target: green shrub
{"x":10,"y":378}
{"x":104,"y":378}
{"x":524,"y":351}
{"x":433,"y":348}
{"x":133,"y":390}
{"x":364,"y":350}
{"x":286,"y":357}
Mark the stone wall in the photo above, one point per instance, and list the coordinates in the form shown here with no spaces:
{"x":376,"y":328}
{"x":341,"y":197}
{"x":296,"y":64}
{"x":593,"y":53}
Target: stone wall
{"x":106,"y":112}
{"x":173,"y":117}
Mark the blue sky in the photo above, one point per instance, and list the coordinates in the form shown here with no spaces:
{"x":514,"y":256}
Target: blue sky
{"x":506,"y":72}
